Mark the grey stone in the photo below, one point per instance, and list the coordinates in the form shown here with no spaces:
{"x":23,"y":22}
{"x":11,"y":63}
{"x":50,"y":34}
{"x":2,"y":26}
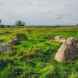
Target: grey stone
{"x":14,"y":41}
{"x":5,"y":47}
{"x":19,"y":37}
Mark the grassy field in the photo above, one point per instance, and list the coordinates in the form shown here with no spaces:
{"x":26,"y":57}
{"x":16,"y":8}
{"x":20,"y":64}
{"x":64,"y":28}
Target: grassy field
{"x":33,"y":57}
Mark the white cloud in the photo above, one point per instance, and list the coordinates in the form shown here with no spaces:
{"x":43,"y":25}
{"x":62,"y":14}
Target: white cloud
{"x":40,"y":11}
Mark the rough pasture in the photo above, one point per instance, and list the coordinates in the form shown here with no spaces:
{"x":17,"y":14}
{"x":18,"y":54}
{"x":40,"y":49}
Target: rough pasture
{"x":33,"y":54}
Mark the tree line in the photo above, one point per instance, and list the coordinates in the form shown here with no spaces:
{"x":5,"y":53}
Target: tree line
{"x":18,"y":23}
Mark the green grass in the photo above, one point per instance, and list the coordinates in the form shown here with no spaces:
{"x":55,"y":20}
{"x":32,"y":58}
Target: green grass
{"x":34,"y":56}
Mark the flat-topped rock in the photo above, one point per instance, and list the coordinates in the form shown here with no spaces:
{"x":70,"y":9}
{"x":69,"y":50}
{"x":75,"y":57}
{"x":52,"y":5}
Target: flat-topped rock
{"x":68,"y":50}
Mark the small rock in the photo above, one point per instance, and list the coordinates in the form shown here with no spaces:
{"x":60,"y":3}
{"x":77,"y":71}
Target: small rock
{"x":19,"y":37}
{"x":4,"y":47}
{"x":14,"y":41}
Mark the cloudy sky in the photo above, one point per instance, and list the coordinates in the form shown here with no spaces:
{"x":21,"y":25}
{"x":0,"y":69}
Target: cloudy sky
{"x":40,"y":11}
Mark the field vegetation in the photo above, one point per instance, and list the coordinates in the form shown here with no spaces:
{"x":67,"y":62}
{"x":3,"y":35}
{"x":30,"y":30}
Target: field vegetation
{"x":33,"y":55}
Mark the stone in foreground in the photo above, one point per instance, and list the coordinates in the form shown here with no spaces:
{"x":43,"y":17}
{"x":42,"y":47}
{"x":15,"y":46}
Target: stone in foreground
{"x":68,"y":50}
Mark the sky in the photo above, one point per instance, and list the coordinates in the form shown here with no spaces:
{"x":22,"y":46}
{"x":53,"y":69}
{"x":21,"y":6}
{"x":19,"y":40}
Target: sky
{"x":39,"y":12}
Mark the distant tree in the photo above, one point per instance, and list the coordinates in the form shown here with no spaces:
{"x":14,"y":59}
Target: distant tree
{"x":0,"y":21}
{"x":20,"y":23}
{"x":1,"y":26}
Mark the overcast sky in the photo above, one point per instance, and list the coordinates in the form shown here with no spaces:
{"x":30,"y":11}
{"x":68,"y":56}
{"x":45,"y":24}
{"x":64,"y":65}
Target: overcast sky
{"x":40,"y":11}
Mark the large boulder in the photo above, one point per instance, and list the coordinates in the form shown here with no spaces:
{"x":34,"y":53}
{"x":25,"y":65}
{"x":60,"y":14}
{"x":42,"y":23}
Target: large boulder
{"x":68,"y":50}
